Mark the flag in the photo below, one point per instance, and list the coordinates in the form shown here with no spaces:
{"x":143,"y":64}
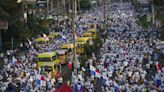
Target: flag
{"x":21,"y":44}
{"x":70,"y":65}
{"x":45,"y":37}
{"x":37,"y":79}
{"x":158,"y":80}
{"x":98,"y":75}
{"x":14,"y":60}
{"x":29,"y":42}
{"x":158,"y":66}
{"x":75,"y":36}
{"x":63,"y":37}
{"x":93,"y":54}
{"x":78,"y":88}
{"x":75,"y":88}
{"x":92,"y":70}
{"x":43,"y":83}
{"x":42,"y":78}
{"x":116,"y":88}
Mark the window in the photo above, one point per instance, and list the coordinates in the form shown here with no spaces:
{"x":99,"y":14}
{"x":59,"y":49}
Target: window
{"x":54,"y":58}
{"x":47,"y":68}
{"x":45,"y":59}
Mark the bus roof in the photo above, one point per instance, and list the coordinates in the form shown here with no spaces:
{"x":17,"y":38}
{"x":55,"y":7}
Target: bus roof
{"x":48,"y":63}
{"x":80,"y":43}
{"x":40,"y":39}
{"x":87,"y":34}
{"x":54,"y":34}
{"x":46,"y":54}
{"x":83,"y":39}
{"x":92,"y":30}
{"x":68,"y":45}
{"x":61,"y":51}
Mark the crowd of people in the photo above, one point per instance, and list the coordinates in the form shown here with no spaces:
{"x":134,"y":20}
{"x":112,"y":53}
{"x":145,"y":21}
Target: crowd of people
{"x":127,"y":62}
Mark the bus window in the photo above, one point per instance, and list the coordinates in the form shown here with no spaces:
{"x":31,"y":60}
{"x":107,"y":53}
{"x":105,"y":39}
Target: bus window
{"x":47,"y":68}
{"x":45,"y":59}
{"x":55,"y":66}
{"x":54,"y":58}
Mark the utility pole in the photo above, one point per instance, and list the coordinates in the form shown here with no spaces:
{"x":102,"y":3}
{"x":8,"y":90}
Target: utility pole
{"x":64,"y":7}
{"x":153,"y":12}
{"x":104,"y":1}
{"x":78,"y":6}
{"x":47,"y":6}
{"x":69,"y":10}
{"x":58,"y":15}
{"x":74,"y":33}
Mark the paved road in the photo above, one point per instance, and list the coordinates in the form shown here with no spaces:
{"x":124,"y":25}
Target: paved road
{"x":98,"y":86}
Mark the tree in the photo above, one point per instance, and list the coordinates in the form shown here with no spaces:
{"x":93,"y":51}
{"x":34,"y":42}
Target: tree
{"x":18,"y":29}
{"x":85,"y":4}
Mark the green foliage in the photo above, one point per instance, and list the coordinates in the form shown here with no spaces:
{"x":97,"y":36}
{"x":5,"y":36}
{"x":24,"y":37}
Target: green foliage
{"x":88,"y":50}
{"x":143,"y":22}
{"x":158,"y":2}
{"x":83,"y":59}
{"x":17,"y":28}
{"x":98,"y":42}
{"x":85,"y":4}
{"x":162,"y":33}
{"x":160,"y":17}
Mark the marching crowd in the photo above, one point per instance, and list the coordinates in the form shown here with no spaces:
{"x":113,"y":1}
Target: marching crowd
{"x":127,"y":63}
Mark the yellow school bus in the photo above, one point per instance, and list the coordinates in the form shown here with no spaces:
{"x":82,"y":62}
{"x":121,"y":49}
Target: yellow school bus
{"x":94,"y":26}
{"x":67,"y":46}
{"x":47,"y":57}
{"x":49,"y":67}
{"x":81,"y":42}
{"x":54,"y":34}
{"x":93,"y":31}
{"x":41,"y":40}
{"x":63,"y":55}
{"x":83,"y":39}
{"x":87,"y":34}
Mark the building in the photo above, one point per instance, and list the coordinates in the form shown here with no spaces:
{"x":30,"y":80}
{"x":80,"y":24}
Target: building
{"x":3,"y":23}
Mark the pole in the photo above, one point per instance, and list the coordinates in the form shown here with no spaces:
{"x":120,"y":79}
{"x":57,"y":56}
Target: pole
{"x":153,"y":12}
{"x":12,"y":43}
{"x":69,"y":12}
{"x":64,"y":7}
{"x":104,"y":9}
{"x":78,"y":6}
{"x":74,"y":34}
{"x":0,"y":41}
{"x":47,"y":6}
{"x":58,"y":15}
